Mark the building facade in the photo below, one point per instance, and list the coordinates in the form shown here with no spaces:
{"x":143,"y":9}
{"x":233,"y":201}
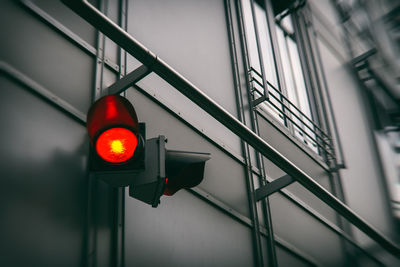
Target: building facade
{"x":287,"y":72}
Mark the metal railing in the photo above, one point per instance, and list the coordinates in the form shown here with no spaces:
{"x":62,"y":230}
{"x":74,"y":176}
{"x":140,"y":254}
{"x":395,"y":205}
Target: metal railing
{"x":290,"y":112}
{"x":158,"y":66}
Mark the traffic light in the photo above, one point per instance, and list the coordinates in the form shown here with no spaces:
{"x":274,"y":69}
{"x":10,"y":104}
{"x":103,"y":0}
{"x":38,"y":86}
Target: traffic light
{"x":167,"y":171}
{"x":117,"y":140}
{"x":120,"y":156}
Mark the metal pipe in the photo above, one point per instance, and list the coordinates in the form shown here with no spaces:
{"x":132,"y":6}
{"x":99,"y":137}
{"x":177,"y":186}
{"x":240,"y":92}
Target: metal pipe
{"x":119,"y":193}
{"x":271,"y":241}
{"x":245,"y":147}
{"x":135,"y":48}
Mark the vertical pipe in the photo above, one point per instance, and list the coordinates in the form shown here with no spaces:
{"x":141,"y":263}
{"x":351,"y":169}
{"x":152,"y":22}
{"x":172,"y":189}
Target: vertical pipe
{"x":245,"y":149}
{"x":91,"y":254}
{"x":272,"y":260}
{"x":306,"y":63}
{"x":119,"y":193}
{"x":313,"y":85}
{"x":302,"y":24}
{"x":93,"y":188}
{"x":90,"y":239}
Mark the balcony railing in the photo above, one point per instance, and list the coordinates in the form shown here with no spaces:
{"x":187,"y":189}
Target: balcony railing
{"x":291,"y":114}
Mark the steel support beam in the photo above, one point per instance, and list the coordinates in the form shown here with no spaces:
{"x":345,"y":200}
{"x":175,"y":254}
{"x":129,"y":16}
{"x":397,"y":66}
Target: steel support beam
{"x":158,"y":66}
{"x":274,"y":186}
{"x":127,"y":81}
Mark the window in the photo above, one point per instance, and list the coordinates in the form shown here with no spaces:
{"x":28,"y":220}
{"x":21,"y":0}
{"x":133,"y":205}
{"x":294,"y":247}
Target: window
{"x":295,"y":85}
{"x":261,"y":59}
{"x":277,"y":74}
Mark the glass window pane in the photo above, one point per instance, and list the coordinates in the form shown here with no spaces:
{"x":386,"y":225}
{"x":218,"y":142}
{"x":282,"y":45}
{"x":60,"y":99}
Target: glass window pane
{"x":250,"y":35}
{"x":293,"y":74}
{"x":295,"y":84}
{"x":302,"y":97}
{"x":265,"y":43}
{"x":287,"y":24}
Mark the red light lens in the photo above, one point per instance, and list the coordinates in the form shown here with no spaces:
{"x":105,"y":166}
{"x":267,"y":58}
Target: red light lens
{"x":111,"y":111}
{"x":116,"y":145}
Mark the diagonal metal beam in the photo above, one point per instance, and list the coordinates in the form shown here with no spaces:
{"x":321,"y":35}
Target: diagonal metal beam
{"x":127,"y":81}
{"x":158,"y":66}
{"x":273,"y":186}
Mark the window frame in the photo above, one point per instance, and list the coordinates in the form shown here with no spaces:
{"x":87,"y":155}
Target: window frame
{"x":322,"y":150}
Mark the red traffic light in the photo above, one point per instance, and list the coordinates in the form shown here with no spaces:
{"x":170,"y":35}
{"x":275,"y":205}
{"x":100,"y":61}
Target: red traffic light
{"x":113,"y":128}
{"x":116,"y":145}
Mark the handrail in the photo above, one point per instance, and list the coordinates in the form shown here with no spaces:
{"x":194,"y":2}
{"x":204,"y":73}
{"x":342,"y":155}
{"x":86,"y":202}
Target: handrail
{"x":158,"y":66}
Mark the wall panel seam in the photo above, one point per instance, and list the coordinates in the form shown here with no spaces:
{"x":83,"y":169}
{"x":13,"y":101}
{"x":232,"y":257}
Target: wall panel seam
{"x":41,"y":91}
{"x":67,"y":33}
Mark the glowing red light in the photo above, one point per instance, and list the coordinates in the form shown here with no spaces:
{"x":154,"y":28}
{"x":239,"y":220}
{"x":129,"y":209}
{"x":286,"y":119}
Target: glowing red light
{"x":111,"y":111}
{"x":116,"y":145}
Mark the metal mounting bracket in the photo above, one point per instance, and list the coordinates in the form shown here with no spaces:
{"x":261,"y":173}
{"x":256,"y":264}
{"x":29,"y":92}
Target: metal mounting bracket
{"x":259,"y":100}
{"x":337,"y":167}
{"x":272,"y":187}
{"x":127,"y":81}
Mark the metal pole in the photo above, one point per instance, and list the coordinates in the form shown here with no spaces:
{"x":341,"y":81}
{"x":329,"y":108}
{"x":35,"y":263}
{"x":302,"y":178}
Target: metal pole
{"x":245,"y":147}
{"x":272,"y":258}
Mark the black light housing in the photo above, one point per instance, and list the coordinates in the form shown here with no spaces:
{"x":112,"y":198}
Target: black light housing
{"x":167,"y":171}
{"x":117,"y":140}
